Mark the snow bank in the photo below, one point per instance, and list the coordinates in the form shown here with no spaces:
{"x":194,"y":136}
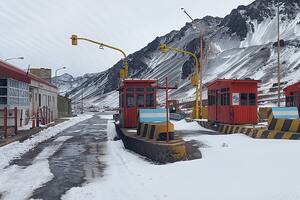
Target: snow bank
{"x":233,"y":167}
{"x":16,"y":149}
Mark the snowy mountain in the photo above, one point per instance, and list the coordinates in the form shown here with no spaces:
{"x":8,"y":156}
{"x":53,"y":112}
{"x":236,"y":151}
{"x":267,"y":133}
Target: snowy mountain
{"x":240,"y":45}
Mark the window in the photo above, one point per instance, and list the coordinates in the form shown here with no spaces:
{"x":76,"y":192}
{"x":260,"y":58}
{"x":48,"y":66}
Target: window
{"x":3,"y":100}
{"x":140,"y":100}
{"x":292,"y":100}
{"x":244,"y":99}
{"x":3,"y":82}
{"x":150,"y":89}
{"x":139,"y":89}
{"x":130,"y":90}
{"x":3,"y":91}
{"x":211,"y":97}
{"x":252,"y":99}
{"x":225,"y":98}
{"x":149,"y":100}
{"x":130,"y":100}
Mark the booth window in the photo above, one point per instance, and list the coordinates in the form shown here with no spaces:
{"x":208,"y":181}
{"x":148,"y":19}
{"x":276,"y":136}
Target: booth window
{"x":149,"y":100}
{"x":140,"y":100}
{"x":130,"y":100}
{"x":225,"y":98}
{"x":139,"y":89}
{"x":211,"y":97}
{"x":252,"y":99}
{"x":248,"y":99}
{"x":244,"y":99}
{"x":292,"y":100}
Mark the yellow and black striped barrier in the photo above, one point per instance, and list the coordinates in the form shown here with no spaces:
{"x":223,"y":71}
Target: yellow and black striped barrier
{"x":258,"y":133}
{"x":282,"y":124}
{"x":156,"y":131}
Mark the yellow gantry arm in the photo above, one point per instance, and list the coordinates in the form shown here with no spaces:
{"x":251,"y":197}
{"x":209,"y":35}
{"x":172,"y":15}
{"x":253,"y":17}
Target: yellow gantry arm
{"x":195,"y":80}
{"x":124,"y":71}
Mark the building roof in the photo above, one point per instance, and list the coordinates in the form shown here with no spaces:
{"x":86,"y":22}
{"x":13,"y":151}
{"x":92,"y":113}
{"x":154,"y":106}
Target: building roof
{"x":11,"y":71}
{"x":40,"y":80}
{"x":295,"y":86}
{"x":16,"y":73}
{"x":231,"y":81}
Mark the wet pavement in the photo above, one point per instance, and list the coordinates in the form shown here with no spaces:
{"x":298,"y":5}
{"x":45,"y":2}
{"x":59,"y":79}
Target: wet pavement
{"x":76,"y":157}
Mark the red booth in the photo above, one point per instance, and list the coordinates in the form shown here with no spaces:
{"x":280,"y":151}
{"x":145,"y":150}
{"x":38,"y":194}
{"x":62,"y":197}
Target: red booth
{"x":292,"y":94}
{"x":135,"y":94}
{"x":232,"y":101}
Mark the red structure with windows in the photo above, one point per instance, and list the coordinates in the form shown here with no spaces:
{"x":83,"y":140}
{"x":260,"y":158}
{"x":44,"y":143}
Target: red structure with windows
{"x":232,"y":101}
{"x":135,"y":94}
{"x":292,"y":94}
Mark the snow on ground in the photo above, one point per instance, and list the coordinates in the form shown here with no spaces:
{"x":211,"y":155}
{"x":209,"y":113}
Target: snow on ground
{"x":182,"y":125}
{"x":27,"y":179}
{"x":233,"y":167}
{"x":16,"y":149}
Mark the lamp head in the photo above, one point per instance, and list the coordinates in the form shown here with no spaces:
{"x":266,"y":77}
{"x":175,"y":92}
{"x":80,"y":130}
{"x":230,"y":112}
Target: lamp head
{"x":74,"y":40}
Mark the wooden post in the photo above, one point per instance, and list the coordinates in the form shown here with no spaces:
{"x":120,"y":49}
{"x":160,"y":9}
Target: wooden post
{"x":37,"y":119}
{"x":16,"y":120}
{"x":5,"y":121}
{"x":21,"y":117}
{"x":46,"y":115}
{"x":33,"y":120}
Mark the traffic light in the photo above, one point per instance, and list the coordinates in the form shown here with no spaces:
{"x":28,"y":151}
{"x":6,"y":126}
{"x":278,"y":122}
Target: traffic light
{"x":163,"y":48}
{"x":74,"y":39}
{"x":122,"y":73}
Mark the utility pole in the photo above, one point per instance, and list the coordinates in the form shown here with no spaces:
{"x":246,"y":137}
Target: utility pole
{"x":278,"y":51}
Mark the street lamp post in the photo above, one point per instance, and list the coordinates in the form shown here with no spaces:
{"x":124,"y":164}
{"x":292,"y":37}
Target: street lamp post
{"x":124,"y":70}
{"x":164,"y":49}
{"x":201,"y":59}
{"x":15,"y":58}
{"x":278,"y":51}
{"x":58,"y":70}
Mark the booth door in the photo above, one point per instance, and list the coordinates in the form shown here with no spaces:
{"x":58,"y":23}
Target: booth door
{"x":131,"y":111}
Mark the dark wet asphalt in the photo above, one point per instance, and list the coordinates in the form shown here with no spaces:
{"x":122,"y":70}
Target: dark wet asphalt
{"x":78,"y":160}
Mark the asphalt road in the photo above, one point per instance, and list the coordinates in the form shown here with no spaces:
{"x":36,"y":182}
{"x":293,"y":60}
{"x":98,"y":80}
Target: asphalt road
{"x":77,"y":157}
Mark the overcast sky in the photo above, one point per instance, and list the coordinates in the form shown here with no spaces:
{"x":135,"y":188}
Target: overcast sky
{"x":40,"y":30}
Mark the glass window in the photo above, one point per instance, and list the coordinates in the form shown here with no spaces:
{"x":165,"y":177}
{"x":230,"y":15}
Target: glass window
{"x":130,"y":90}
{"x":3,"y":82}
{"x":3,"y":91}
{"x":140,"y":100}
{"x":150,"y":89}
{"x":252,"y":99}
{"x":244,"y":99}
{"x":139,"y":89}
{"x":3,"y":100}
{"x":149,"y":100}
{"x":130,"y":100}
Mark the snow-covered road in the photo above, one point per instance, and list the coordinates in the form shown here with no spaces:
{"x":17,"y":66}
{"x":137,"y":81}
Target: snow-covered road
{"x":84,"y":162}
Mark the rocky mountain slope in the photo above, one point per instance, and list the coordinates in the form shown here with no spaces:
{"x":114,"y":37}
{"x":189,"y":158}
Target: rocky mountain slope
{"x":240,"y":45}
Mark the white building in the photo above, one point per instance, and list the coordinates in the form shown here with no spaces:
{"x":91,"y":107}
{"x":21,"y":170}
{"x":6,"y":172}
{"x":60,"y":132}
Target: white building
{"x":26,"y":92}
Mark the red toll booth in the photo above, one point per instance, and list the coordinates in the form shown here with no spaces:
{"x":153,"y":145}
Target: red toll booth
{"x":135,"y":94}
{"x":232,"y":101}
{"x":292,"y":94}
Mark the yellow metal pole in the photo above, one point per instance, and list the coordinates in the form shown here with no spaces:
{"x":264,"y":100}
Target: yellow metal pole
{"x":125,"y":61}
{"x":197,"y":77}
